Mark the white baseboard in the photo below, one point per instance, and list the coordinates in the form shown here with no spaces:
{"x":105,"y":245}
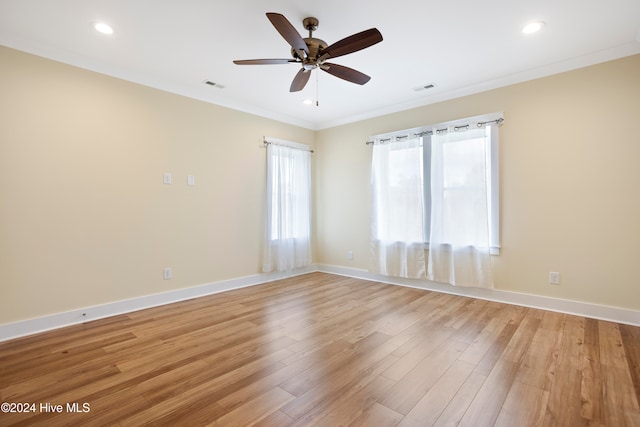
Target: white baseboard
{"x":585,"y":309}
{"x":59,"y":320}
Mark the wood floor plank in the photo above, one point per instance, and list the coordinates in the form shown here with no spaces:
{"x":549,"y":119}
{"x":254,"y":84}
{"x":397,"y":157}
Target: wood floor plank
{"x":487,"y":338}
{"x":520,"y":341}
{"x":310,"y":378}
{"x":250,"y":391}
{"x":565,"y":405}
{"x":524,"y":406}
{"x":197,"y":412}
{"x":177,"y":403}
{"x":621,"y":405}
{"x":471,"y":325}
{"x":255,"y":410}
{"x":356,"y":373}
{"x":504,"y":340}
{"x":458,"y":405}
{"x":276,"y":419}
{"x":487,"y":404}
{"x":469,"y":311}
{"x":321,"y":349}
{"x":435,"y":337}
{"x":377,"y":416}
{"x":612,"y":351}
{"x":434,"y":401}
{"x":540,"y":361}
{"x":46,"y":364}
{"x":349,"y":408}
{"x":631,"y":339}
{"x":410,"y":389}
{"x":27,"y":347}
{"x":592,"y":387}
{"x":38,"y":387}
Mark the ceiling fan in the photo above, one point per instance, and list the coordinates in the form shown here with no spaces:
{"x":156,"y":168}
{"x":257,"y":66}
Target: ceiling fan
{"x":313,"y":53}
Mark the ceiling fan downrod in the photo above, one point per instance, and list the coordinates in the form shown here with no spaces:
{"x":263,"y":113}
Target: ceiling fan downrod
{"x":310,"y":24}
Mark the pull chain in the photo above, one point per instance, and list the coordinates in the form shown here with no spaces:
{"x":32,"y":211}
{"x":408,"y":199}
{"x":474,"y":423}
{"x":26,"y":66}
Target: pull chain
{"x":317,"y":84}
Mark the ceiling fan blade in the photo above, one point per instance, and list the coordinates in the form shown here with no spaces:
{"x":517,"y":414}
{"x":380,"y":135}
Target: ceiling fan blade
{"x":352,"y":44}
{"x":300,"y":80}
{"x":262,"y":61}
{"x":345,"y":73}
{"x":288,"y":32}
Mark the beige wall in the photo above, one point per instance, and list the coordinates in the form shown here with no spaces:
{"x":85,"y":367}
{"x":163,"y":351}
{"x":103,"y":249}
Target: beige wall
{"x":86,"y":220}
{"x":569,"y":182}
{"x":84,"y":216}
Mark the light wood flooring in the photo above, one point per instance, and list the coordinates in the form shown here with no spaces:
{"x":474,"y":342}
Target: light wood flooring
{"x":327,"y":350}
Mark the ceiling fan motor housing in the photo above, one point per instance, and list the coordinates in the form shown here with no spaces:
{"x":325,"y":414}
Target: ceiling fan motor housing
{"x":315,"y":47}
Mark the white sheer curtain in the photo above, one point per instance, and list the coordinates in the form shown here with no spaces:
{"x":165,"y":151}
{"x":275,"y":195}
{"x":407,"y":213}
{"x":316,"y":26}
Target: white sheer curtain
{"x":287,"y":243}
{"x":397,"y":223}
{"x":459,"y":245}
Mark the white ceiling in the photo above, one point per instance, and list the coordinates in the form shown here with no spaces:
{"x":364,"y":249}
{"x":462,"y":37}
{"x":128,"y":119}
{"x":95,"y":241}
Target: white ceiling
{"x":462,"y":47}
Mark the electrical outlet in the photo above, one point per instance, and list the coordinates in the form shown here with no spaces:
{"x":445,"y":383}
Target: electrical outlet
{"x":166,"y":178}
{"x":554,"y":278}
{"x":191,"y":180}
{"x":349,"y":254}
{"x":167,"y":273}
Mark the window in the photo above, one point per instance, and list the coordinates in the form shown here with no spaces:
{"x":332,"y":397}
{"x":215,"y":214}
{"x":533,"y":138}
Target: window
{"x":289,"y":194}
{"x":397,"y":187}
{"x":437,"y":186}
{"x":464,"y":177}
{"x":288,"y":207}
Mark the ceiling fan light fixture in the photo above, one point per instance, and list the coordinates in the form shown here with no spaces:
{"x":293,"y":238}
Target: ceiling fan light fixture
{"x":103,"y":28}
{"x":307,"y":102}
{"x":533,"y":27}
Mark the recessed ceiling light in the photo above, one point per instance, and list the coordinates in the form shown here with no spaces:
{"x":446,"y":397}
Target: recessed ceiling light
{"x":103,"y":28}
{"x":533,"y":27}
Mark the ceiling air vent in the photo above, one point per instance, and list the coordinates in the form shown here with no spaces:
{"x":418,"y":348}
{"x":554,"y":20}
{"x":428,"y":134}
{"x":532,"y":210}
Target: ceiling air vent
{"x":210,"y":83}
{"x":424,"y":87}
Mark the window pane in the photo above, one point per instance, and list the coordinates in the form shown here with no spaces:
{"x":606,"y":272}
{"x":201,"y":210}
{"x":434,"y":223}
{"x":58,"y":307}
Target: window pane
{"x":398,"y":175}
{"x":290,"y":199}
{"x":464,"y":162}
{"x":459,"y":189}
